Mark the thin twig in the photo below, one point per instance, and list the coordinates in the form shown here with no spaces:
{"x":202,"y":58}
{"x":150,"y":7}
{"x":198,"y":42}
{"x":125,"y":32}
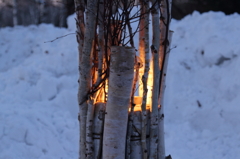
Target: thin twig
{"x":59,"y":37}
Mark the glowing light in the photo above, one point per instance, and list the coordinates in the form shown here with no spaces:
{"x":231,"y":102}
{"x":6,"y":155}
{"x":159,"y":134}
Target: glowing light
{"x":138,"y":103}
{"x":150,"y":76}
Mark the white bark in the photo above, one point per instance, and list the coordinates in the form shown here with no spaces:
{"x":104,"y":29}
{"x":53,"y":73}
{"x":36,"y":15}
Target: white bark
{"x":100,"y":40}
{"x":144,"y":71}
{"x":156,"y":76}
{"x":80,"y":25}
{"x":136,"y":145}
{"x":165,"y":38}
{"x":85,"y":65}
{"x":79,"y":9}
{"x":161,"y":145}
{"x":89,"y":130}
{"x":119,"y":90}
{"x":99,"y":113}
{"x":132,"y":107}
{"x":164,"y":27}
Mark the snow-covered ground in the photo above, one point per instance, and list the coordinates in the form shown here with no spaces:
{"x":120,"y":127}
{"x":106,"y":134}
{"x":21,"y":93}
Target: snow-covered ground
{"x":38,"y":90}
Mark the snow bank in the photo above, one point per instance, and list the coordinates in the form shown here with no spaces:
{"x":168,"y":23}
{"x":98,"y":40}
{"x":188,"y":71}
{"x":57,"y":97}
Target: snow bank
{"x":203,"y":88}
{"x":38,"y":101}
{"x":38,"y":90}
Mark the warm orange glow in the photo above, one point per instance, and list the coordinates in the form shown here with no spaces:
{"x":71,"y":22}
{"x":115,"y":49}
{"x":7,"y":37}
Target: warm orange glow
{"x":101,"y":94}
{"x":101,"y":97}
{"x":138,"y":102}
{"x":150,"y":77}
{"x":150,"y":84}
{"x":138,"y":106}
{"x":141,"y":70}
{"x":137,"y":99}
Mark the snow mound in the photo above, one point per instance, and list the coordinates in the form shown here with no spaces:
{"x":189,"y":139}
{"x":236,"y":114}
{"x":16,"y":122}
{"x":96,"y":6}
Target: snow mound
{"x":38,"y":117}
{"x":203,"y":88}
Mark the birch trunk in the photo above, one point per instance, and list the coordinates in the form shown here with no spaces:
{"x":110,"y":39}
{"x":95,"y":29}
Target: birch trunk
{"x":119,"y":90}
{"x":41,"y":11}
{"x":100,"y":41}
{"x":131,"y":114}
{"x":161,"y":145}
{"x":79,"y":9}
{"x":99,"y":114}
{"x":136,"y":148}
{"x":89,"y":130}
{"x":15,"y":20}
{"x":164,"y":27}
{"x":143,"y":72}
{"x":165,"y":38}
{"x":85,"y":65}
{"x":136,"y":145}
{"x":156,"y":76}
{"x":63,"y":13}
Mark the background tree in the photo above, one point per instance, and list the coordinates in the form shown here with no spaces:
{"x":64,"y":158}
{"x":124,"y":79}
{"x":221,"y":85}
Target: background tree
{"x":27,"y":12}
{"x":56,"y":11}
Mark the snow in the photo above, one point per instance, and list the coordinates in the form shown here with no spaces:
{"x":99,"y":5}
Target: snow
{"x":38,"y":93}
{"x":38,"y":90}
{"x":202,"y":94}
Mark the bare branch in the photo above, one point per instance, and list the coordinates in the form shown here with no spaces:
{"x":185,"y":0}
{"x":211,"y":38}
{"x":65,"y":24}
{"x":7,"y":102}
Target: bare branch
{"x":59,"y":37}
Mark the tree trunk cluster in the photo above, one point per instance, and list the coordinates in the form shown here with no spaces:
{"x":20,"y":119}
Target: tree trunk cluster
{"x":121,"y":87}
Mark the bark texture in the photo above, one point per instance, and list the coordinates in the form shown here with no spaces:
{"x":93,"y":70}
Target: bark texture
{"x":164,"y":54}
{"x":136,"y":147}
{"x":144,"y":71}
{"x":89,"y":130}
{"x":119,"y":90}
{"x":100,"y":40}
{"x":132,"y":107}
{"x":99,"y":114}
{"x":161,"y":145}
{"x":85,"y":65}
{"x":156,"y":76}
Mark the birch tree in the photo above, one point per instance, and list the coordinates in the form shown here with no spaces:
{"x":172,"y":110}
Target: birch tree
{"x":15,"y":20}
{"x":165,"y":40}
{"x":145,"y":57}
{"x":114,"y":122}
{"x":156,"y":76}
